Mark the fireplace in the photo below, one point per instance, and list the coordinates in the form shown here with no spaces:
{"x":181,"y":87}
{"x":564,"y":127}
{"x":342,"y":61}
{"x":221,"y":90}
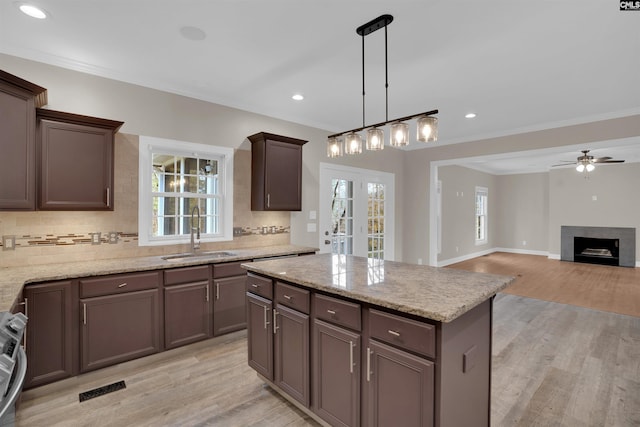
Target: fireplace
{"x":596,"y":250}
{"x":600,"y":245}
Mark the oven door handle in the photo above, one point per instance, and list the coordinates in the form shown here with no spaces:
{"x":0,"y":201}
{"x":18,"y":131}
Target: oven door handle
{"x":12,"y":394}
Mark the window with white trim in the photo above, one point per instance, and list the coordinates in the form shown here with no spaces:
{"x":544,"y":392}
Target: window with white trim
{"x":183,"y":185}
{"x":482,"y":201}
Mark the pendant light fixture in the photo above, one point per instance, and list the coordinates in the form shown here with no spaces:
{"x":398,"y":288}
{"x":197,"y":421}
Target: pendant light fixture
{"x":427,"y":124}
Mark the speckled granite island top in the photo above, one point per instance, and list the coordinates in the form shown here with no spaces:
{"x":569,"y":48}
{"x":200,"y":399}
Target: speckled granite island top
{"x":13,"y":279}
{"x":440,"y":294}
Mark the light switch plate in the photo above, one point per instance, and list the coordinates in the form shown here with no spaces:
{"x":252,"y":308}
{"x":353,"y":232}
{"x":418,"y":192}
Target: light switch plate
{"x":8,"y":243}
{"x":96,"y":238}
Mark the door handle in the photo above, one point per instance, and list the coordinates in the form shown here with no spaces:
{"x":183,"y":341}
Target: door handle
{"x":327,"y":242}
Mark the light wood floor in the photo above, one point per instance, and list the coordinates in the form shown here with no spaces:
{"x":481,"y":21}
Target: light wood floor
{"x":600,"y":287}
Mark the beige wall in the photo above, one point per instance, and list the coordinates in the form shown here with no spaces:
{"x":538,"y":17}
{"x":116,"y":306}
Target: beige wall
{"x":523,"y":212}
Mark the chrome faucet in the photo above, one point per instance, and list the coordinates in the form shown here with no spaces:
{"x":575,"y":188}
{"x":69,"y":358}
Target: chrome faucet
{"x":195,"y":246}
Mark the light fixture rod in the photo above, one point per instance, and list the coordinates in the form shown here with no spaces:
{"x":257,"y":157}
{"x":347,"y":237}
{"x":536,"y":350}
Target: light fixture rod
{"x":386,"y":78}
{"x":363,"y":121}
{"x":401,"y":119}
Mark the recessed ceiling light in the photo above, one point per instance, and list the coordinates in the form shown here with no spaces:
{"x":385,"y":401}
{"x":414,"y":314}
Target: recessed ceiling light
{"x":297,"y":97}
{"x":33,"y":11}
{"x":470,"y":115}
{"x":193,"y":33}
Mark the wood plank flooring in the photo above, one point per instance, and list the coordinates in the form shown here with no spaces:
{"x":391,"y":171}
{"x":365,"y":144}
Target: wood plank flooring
{"x":600,"y":287}
{"x":554,"y":364}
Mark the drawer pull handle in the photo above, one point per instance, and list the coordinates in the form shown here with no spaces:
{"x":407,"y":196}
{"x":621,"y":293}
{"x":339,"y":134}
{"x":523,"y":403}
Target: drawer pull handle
{"x":394,"y":333}
{"x":288,"y":297}
{"x":331,"y":312}
{"x":122,"y":285}
{"x":255,"y":286}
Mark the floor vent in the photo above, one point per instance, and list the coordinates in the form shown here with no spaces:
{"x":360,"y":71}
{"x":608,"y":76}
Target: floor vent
{"x":101,"y":391}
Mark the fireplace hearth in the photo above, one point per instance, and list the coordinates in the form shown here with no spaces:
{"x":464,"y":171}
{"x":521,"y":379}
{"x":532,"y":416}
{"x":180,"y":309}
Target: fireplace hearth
{"x":592,"y":250}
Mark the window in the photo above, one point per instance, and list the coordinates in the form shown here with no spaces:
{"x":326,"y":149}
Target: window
{"x":482,"y":195}
{"x":182,"y":186}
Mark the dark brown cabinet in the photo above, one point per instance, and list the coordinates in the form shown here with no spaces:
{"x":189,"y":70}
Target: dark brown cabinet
{"x":336,"y":374}
{"x":49,"y":337}
{"x":187,"y":305}
{"x":229,"y":300}
{"x":120,"y":319}
{"x":18,"y":101}
{"x":76,"y":161}
{"x":259,"y":335}
{"x":276,"y":172}
{"x":400,"y":387}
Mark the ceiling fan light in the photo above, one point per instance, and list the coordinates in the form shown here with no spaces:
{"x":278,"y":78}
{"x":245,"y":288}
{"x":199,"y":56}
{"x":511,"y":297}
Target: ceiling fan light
{"x":334,"y":147}
{"x":399,"y":135}
{"x":590,"y":167}
{"x":353,"y":143}
{"x":375,"y":139}
{"x":580,"y":167}
{"x":427,"y":129}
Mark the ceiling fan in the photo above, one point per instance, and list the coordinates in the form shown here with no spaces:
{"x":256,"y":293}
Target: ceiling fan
{"x":586,"y":162}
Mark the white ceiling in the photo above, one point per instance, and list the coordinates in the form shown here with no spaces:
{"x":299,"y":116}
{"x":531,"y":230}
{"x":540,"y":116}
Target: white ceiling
{"x":520,"y":65}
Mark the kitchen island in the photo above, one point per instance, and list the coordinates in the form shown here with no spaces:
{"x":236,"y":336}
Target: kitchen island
{"x":355,"y":341}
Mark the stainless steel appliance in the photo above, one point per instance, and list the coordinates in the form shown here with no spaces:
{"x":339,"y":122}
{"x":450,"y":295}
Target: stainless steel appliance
{"x":13,"y":364}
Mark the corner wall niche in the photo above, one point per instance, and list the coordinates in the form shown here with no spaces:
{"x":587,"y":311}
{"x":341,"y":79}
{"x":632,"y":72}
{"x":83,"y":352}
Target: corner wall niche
{"x":625,"y":237}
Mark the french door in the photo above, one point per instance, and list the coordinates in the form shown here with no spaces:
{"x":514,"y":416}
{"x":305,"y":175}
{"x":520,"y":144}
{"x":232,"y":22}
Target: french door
{"x":356,"y":212}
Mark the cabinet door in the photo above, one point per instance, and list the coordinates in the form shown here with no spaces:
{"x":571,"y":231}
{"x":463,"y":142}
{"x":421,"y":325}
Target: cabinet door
{"x":76,"y":167}
{"x":291,"y":353}
{"x":49,"y":333}
{"x":260,"y":335}
{"x":17,"y":145}
{"x":187,"y":313}
{"x":283,"y":176}
{"x":400,"y":388}
{"x":229,"y":305}
{"x":120,"y":327}
{"x":336,"y":374}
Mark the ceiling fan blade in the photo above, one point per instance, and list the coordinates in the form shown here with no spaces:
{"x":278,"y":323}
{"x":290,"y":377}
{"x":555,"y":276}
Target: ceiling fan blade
{"x":612,"y":161}
{"x":563,"y":164}
{"x":601,"y":159}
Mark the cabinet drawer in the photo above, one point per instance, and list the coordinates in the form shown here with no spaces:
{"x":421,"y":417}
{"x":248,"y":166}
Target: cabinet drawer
{"x":292,"y":297}
{"x":228,"y":269}
{"x":176,"y":276}
{"x":337,"y":311}
{"x":120,"y":283}
{"x":405,"y":333}
{"x":260,"y":286}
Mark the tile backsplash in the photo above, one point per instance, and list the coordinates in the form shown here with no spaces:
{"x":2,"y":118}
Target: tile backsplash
{"x":45,"y":237}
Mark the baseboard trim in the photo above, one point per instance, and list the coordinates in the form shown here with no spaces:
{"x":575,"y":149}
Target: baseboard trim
{"x":456,"y":260}
{"x":522,"y":251}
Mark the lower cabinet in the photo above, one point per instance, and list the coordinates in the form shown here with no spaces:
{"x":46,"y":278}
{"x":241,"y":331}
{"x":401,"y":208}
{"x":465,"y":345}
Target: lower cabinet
{"x":229,"y":301}
{"x":49,"y":337}
{"x":260,"y":335}
{"x":291,"y":353}
{"x":336,"y":374}
{"x":400,"y":387}
{"x":116,"y":328}
{"x":187,"y":305}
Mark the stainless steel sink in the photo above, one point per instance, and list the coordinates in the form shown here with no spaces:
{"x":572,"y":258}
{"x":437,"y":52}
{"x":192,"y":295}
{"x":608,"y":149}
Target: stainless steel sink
{"x":197,"y":255}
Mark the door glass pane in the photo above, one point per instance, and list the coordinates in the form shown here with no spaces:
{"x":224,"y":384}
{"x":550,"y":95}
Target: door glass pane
{"x":342,"y":216}
{"x":375,"y":220}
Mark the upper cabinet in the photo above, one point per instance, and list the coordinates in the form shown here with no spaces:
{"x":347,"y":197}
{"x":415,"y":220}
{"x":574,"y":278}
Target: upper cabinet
{"x":18,"y":101}
{"x":76,"y":161}
{"x":276,"y":172}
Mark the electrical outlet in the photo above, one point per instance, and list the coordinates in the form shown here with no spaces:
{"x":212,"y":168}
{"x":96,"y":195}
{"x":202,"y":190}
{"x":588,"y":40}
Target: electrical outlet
{"x":8,"y":243}
{"x":96,"y":238}
{"x":113,"y":237}
{"x":237,"y":231}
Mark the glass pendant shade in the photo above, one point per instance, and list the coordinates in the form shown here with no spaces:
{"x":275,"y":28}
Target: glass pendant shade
{"x":399,"y":135}
{"x":334,"y":147}
{"x":427,"y":129}
{"x":353,"y":143}
{"x":580,"y":167}
{"x":375,"y":139}
{"x":590,"y":167}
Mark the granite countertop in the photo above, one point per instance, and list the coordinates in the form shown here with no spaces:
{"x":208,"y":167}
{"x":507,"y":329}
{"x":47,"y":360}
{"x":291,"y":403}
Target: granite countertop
{"x":13,"y":279}
{"x":440,"y":294}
